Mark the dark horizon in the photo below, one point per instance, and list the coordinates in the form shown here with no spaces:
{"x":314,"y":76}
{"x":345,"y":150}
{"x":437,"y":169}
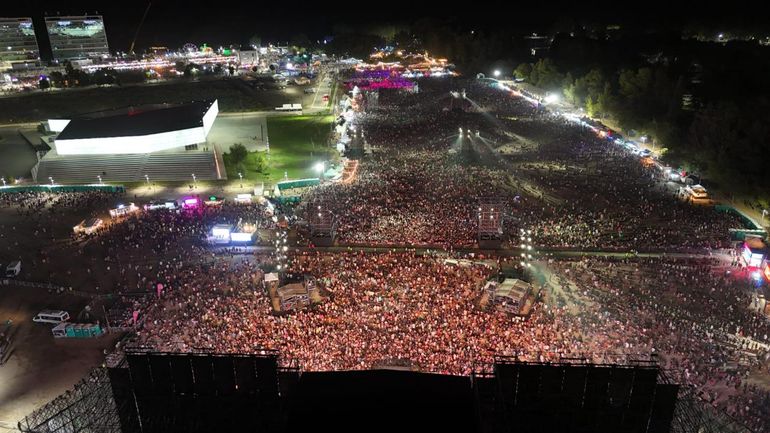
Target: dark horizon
{"x":173,"y":24}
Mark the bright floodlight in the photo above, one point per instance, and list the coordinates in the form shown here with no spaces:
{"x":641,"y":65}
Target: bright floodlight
{"x":551,"y":98}
{"x":319,"y":167}
{"x":497,"y":73}
{"x":221,"y":232}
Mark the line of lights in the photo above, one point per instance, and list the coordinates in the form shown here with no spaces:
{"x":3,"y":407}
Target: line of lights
{"x":527,"y":251}
{"x":281,"y":251}
{"x":120,"y":66}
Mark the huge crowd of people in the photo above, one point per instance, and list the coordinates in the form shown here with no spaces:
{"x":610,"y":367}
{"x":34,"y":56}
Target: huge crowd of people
{"x":414,"y":198}
{"x":33,"y":203}
{"x":381,"y":308}
{"x":434,"y":157}
{"x":699,"y":315}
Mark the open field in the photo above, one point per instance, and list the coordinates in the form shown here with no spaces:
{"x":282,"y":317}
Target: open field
{"x":233,"y":95}
{"x":297,"y":143}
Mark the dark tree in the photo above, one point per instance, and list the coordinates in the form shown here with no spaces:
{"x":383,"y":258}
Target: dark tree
{"x":238,"y":153}
{"x":355,"y":45}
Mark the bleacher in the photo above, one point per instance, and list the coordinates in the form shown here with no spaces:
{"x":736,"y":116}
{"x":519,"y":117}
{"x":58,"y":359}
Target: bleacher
{"x":166,"y":166}
{"x":180,"y":166}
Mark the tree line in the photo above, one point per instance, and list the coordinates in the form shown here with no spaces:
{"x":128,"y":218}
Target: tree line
{"x":707,"y":107}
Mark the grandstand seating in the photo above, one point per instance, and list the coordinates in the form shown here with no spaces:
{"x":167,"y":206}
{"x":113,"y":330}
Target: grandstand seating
{"x":166,"y":166}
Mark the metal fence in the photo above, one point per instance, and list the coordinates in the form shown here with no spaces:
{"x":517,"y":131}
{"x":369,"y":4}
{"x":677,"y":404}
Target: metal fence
{"x":89,"y":407}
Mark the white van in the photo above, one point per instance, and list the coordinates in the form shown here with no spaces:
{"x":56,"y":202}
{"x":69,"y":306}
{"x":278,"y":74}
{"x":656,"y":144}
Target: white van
{"x":51,"y":316}
{"x":13,"y":269}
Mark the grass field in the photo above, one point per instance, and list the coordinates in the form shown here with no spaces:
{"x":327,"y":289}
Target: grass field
{"x":233,"y":95}
{"x":297,"y":143}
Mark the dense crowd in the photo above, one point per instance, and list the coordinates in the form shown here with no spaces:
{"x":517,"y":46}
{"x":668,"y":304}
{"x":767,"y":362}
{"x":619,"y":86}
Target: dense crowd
{"x":381,"y":307}
{"x":697,"y":314}
{"x":421,"y":187}
{"x":413,"y":198}
{"x":607,"y":198}
{"x":167,"y":230}
{"x":53,"y":203}
{"x":575,"y":189}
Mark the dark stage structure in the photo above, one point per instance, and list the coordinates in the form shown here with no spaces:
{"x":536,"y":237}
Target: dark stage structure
{"x":575,"y":397}
{"x":150,"y":392}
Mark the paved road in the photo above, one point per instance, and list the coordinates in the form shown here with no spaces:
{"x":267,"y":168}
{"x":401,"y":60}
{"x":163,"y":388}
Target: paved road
{"x":323,"y":87}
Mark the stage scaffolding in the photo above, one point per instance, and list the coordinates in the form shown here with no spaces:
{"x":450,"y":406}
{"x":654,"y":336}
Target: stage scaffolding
{"x":491,"y":214}
{"x":323,"y":225}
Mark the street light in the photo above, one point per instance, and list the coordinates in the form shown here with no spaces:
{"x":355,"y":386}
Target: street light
{"x":147,"y":178}
{"x":320,"y":168}
{"x":241,"y":176}
{"x":496,"y":73}
{"x":3,"y":179}
{"x":51,"y":179}
{"x":195,"y":183}
{"x":100,"y":180}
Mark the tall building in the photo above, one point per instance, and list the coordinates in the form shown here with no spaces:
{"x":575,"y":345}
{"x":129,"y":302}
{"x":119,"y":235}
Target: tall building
{"x":77,"y":37}
{"x":17,"y":40}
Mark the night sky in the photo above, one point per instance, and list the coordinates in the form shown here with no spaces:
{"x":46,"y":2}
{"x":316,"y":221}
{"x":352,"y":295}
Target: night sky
{"x":172,"y":23}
